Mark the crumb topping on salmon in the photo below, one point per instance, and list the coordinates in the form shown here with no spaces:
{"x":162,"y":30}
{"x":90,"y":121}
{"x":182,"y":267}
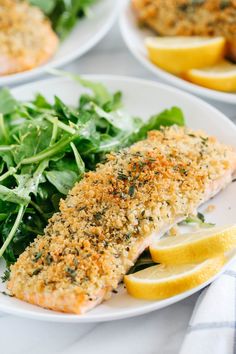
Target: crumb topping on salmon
{"x":103,"y":224}
{"x":26,"y":37}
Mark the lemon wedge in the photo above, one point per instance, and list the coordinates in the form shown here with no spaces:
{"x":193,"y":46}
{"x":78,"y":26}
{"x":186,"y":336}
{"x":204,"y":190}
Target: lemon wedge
{"x":220,"y":77}
{"x":180,"y":54}
{"x":194,"y":247}
{"x":163,"y":281}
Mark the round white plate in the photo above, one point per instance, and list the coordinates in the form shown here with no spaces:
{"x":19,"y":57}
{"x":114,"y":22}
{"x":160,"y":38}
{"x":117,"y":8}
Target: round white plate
{"x":134,"y":39}
{"x":141,"y":98}
{"x":86,"y":34}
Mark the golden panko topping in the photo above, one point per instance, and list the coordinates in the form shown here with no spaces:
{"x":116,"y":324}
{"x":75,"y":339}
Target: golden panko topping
{"x":108,"y":218}
{"x":26,"y":37}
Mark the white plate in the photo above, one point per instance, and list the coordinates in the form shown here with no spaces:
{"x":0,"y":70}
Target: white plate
{"x":141,"y":98}
{"x":134,"y":39}
{"x":86,"y":34}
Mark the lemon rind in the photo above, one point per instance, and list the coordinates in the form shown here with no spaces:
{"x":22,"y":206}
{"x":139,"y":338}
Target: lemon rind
{"x":171,"y":287}
{"x":197,"y":250}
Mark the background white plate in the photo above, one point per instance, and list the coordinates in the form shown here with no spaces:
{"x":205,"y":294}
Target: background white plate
{"x":134,"y":39}
{"x":86,"y":34}
{"x":141,"y":98}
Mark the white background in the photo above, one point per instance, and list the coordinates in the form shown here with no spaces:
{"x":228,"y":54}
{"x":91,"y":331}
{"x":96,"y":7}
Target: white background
{"x":160,"y":332}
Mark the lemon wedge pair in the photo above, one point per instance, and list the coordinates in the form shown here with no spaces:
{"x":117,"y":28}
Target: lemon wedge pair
{"x":187,"y":261}
{"x":197,"y":59}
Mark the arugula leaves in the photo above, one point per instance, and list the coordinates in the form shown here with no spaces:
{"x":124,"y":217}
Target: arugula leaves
{"x":144,"y":261}
{"x":8,"y":103}
{"x":62,"y":180}
{"x":45,"y":148}
{"x":63,"y":14}
{"x":197,"y":219}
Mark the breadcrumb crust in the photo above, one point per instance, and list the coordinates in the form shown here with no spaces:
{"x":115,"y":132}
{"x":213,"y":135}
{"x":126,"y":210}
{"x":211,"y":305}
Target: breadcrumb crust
{"x":103,"y":223}
{"x":26,"y":37}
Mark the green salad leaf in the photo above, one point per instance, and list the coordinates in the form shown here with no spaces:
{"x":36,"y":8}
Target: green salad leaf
{"x":8,"y":103}
{"x":63,"y":14}
{"x":62,"y":180}
{"x":197,"y":219}
{"x":46,"y":147}
{"x":144,"y":261}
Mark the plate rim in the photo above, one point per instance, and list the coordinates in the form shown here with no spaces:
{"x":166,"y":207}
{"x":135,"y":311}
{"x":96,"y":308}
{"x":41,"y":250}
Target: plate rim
{"x":21,"y":77}
{"x":168,"y":77}
{"x":71,"y":318}
{"x":57,"y":317}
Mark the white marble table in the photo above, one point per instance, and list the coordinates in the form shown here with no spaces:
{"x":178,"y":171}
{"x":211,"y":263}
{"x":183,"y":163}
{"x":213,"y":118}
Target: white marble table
{"x":160,"y":332}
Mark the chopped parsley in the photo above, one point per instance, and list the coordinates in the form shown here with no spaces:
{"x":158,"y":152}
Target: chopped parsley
{"x":131,"y":190}
{"x":37,"y":256}
{"x":6,"y":275}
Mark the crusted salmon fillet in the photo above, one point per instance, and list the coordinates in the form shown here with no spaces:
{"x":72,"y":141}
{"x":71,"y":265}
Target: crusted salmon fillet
{"x":113,"y":214}
{"x":26,"y":37}
{"x":190,"y":18}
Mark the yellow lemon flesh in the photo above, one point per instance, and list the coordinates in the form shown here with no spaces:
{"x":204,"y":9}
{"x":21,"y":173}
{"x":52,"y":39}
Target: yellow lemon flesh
{"x":194,"y":247}
{"x":180,"y":54}
{"x":163,"y":281}
{"x":221,"y":77}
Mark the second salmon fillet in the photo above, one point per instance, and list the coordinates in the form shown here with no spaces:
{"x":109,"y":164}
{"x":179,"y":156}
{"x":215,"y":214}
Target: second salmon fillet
{"x":113,"y":214}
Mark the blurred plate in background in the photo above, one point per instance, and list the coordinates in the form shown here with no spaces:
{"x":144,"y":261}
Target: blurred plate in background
{"x":134,"y":37}
{"x":86,"y":34}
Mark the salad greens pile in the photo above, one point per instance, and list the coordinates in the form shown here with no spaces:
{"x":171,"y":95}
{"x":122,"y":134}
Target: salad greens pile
{"x":63,"y":14}
{"x":46,"y":147}
{"x":144,"y":261}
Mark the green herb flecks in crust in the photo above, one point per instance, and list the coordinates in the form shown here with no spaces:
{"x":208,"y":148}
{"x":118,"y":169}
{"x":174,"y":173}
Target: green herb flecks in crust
{"x":46,"y":147}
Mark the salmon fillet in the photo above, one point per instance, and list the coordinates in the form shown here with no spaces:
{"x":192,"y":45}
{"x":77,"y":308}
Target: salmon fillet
{"x":113,"y":214}
{"x":26,"y":37}
{"x":190,"y":18}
